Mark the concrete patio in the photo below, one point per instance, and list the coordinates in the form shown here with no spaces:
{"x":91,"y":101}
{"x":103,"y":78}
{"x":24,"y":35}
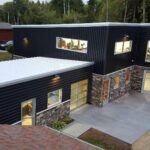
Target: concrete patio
{"x":127,"y":119}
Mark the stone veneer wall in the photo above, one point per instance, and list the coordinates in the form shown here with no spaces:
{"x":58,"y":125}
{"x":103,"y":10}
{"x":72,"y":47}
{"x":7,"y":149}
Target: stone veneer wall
{"x":58,"y":112}
{"x":97,"y":86}
{"x":137,"y":77}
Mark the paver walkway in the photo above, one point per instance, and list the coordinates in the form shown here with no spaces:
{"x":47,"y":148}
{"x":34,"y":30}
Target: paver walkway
{"x":126,"y":119}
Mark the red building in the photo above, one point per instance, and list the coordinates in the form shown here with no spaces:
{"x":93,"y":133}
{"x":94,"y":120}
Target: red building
{"x":6,"y":32}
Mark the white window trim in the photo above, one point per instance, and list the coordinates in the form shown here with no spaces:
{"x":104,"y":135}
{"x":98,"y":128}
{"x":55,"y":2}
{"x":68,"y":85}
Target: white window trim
{"x":70,"y":49}
{"x":123,"y":48}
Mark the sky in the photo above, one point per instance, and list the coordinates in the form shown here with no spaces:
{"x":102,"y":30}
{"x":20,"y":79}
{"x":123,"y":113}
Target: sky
{"x":3,"y":1}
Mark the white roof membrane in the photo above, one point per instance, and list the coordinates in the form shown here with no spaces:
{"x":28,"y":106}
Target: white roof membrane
{"x":22,"y":70}
{"x":102,"y":24}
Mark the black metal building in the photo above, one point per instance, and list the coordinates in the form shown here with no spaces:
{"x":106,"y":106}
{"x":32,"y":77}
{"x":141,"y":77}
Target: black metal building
{"x":101,"y":39}
{"x":15,"y":91}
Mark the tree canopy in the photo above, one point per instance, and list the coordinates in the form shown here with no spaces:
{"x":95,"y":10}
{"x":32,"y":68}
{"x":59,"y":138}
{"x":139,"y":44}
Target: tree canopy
{"x":75,"y":11}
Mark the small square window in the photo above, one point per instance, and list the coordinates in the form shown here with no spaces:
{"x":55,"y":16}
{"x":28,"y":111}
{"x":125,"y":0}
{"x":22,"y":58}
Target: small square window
{"x":123,"y":47}
{"x":54,"y":97}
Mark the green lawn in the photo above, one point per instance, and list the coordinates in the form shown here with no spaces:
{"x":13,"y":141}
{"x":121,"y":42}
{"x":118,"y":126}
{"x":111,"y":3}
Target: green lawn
{"x":100,"y":144}
{"x":5,"y":56}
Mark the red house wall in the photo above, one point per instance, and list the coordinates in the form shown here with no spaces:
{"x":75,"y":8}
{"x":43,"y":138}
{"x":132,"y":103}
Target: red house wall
{"x":6,"y":35}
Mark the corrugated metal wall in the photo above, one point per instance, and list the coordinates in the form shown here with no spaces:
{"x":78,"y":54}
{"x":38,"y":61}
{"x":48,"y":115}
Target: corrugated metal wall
{"x":120,"y":61}
{"x":101,"y":43}
{"x":12,"y":96}
{"x":140,"y":54}
{"x":42,"y":42}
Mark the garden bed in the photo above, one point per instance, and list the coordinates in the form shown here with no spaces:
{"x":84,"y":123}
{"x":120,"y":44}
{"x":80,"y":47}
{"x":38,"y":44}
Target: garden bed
{"x":61,"y":124}
{"x":5,"y":56}
{"x":104,"y":140}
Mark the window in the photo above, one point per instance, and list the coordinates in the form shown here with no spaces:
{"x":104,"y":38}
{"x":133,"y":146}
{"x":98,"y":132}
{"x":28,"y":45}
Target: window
{"x":54,"y":97}
{"x":123,"y":47}
{"x":28,"y":112}
{"x":116,"y":82}
{"x":146,"y":84}
{"x":147,"y":58}
{"x":78,"y":94}
{"x":75,"y":45}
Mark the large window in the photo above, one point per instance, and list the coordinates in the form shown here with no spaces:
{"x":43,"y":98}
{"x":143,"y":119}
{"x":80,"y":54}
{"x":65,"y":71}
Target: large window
{"x":75,"y":45}
{"x":123,"y":47}
{"x":78,"y":94}
{"x":147,"y":58}
{"x":54,"y":97}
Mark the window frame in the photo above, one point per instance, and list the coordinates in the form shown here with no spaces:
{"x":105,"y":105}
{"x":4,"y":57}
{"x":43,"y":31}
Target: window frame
{"x":60,"y":98}
{"x":147,"y":52}
{"x":123,"y":43}
{"x":57,"y":38}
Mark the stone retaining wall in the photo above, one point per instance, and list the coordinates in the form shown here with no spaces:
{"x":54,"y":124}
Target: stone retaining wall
{"x":56,"y":113}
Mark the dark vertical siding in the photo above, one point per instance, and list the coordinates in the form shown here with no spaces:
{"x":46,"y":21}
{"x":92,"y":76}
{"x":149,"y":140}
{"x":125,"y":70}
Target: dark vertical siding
{"x":42,"y":42}
{"x":12,"y":96}
{"x":142,"y":46}
{"x":120,"y":61}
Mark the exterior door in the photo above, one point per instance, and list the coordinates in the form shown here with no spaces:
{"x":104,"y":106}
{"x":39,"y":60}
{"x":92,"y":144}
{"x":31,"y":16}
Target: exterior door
{"x":146,"y":82}
{"x":28,"y":112}
{"x":79,"y":94}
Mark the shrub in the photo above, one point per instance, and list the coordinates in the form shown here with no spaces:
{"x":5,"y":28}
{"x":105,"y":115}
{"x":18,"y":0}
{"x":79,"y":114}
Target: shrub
{"x":68,"y":120}
{"x":10,"y":48}
{"x":58,"y":125}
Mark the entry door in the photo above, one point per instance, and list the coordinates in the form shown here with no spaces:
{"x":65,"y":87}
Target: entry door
{"x":146,"y":82}
{"x":28,"y":112}
{"x":79,"y":94}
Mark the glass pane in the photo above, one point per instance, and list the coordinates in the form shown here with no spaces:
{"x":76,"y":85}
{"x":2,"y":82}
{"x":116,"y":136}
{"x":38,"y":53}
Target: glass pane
{"x":127,"y":46}
{"x":27,"y":113}
{"x":82,"y":101}
{"x":54,"y":97}
{"x":74,"y":85}
{"x":84,"y":87}
{"x":83,"y":82}
{"x":73,"y":105}
{"x":118,"y":47}
{"x":147,"y":59}
{"x":74,"y":98}
{"x":81,"y":95}
{"x":72,"y":44}
{"x":147,"y":82}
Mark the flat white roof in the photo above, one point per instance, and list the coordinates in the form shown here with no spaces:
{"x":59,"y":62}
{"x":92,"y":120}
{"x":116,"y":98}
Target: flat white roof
{"x":22,"y":70}
{"x":80,"y":25}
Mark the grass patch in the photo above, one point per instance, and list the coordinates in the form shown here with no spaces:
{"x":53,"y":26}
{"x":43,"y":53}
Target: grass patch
{"x":104,"y":140}
{"x":100,"y":144}
{"x":5,"y":56}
